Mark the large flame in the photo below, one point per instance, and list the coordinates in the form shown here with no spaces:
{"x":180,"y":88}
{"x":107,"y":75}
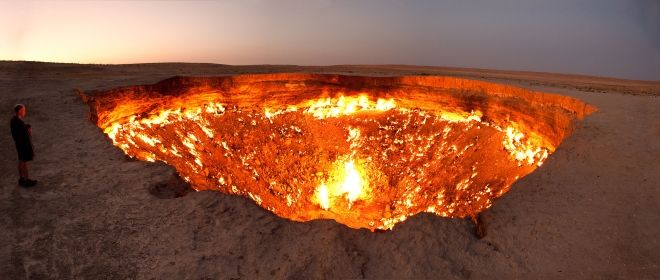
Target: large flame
{"x":353,"y":183}
{"x":334,"y":107}
{"x":346,"y":184}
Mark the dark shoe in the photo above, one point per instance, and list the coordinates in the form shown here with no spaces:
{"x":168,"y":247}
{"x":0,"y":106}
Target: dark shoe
{"x":26,"y":183}
{"x":30,"y":183}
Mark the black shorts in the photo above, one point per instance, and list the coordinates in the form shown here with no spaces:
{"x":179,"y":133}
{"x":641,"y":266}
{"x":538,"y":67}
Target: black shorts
{"x":25,"y":152}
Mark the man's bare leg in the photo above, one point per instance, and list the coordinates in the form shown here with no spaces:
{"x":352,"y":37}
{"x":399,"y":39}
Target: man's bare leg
{"x":22,"y":169}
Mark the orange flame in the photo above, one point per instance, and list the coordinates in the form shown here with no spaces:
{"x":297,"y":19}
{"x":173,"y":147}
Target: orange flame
{"x":334,"y":107}
{"x":346,"y":181}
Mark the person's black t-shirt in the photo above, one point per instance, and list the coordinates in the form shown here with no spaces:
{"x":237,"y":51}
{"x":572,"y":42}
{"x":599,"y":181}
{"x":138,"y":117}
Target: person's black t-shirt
{"x":22,"y":139}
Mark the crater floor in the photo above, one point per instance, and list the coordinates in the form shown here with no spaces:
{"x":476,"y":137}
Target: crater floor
{"x":366,"y":152}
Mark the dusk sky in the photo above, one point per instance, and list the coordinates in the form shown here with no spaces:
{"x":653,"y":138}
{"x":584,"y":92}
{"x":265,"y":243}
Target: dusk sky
{"x":615,"y":38}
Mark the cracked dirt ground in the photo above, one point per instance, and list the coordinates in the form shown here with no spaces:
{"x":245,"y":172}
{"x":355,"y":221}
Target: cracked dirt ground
{"x":591,"y":211}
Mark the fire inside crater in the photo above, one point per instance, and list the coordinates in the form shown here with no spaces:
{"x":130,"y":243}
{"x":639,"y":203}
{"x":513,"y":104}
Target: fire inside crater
{"x":367,"y":152}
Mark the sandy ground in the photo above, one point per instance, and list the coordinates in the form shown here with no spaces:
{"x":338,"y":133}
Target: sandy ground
{"x":592,"y":211}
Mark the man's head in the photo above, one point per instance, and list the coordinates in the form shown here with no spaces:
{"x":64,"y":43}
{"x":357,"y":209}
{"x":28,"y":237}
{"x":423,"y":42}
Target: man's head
{"x":20,"y":110}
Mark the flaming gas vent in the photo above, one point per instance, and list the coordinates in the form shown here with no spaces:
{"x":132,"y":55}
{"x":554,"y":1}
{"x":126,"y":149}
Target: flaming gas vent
{"x":367,"y":152}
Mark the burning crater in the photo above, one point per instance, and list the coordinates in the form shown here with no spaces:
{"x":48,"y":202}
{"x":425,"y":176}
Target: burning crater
{"x":367,"y":152}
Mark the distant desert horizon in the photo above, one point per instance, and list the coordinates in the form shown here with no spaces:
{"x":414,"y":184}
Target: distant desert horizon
{"x":390,"y":65}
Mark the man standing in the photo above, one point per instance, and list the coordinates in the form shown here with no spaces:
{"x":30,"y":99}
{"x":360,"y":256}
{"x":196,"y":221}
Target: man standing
{"x":22,"y":134}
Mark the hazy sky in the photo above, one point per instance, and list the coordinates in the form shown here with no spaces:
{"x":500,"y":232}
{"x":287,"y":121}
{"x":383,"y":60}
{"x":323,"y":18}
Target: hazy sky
{"x":616,"y":38}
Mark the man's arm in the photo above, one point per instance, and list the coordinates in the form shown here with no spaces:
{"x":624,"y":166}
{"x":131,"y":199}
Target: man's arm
{"x":19,"y":131}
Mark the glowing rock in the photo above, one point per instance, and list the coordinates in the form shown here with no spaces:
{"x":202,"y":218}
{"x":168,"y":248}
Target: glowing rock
{"x":367,"y":152}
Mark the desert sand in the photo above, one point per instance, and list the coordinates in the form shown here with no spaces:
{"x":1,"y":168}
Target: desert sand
{"x":591,"y":211}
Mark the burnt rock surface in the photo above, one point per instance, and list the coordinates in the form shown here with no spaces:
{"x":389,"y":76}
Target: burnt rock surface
{"x":428,"y":144}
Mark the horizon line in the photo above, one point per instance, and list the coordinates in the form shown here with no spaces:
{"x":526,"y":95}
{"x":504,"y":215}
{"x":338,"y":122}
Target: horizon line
{"x":518,"y":71}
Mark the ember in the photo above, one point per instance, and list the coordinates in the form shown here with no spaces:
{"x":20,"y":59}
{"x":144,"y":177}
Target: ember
{"x":367,"y":152}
